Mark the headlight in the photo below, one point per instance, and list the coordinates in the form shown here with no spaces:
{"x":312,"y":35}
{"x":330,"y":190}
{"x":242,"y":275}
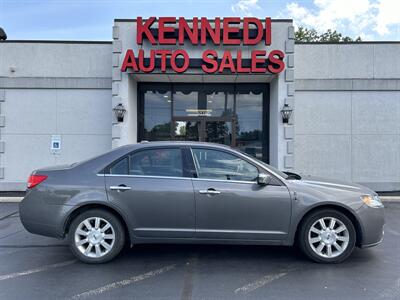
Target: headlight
{"x":372,"y":201}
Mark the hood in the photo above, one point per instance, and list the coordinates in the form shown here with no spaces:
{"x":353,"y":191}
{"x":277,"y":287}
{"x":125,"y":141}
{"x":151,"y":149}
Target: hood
{"x":333,"y":185}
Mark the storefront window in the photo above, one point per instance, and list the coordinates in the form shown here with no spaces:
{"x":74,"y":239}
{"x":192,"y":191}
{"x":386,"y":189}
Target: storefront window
{"x":220,"y":104}
{"x":219,"y":132}
{"x":230,"y":114}
{"x":249,"y":107}
{"x":185,"y":101}
{"x":157,"y":111}
{"x":219,"y":100}
{"x":187,"y":130}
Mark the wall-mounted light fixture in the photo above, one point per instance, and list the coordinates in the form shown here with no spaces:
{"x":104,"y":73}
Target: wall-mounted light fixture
{"x":119,"y":111}
{"x":286,"y":112}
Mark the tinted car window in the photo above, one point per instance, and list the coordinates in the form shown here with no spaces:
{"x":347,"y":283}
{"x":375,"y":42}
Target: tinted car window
{"x":120,"y":167}
{"x":156,"y":162}
{"x":214,"y":164}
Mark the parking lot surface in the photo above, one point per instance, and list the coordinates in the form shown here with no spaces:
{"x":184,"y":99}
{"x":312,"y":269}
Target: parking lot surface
{"x":35,"y":267}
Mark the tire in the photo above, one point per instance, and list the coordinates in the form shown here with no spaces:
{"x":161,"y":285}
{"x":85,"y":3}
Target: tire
{"x":107,"y":236}
{"x":340,"y":238}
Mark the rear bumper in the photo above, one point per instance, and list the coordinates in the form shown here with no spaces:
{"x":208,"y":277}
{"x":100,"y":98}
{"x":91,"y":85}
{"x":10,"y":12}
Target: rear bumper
{"x":42,"y":229}
{"x":43,"y":219}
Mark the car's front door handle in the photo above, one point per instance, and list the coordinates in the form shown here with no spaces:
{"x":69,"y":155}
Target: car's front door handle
{"x":120,"y":187}
{"x":209,"y":192}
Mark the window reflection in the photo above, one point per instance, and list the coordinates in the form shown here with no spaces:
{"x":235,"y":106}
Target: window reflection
{"x":230,"y":114}
{"x":157,"y":112}
{"x":220,"y":104}
{"x":187,"y":130}
{"x":249,"y":123}
{"x":213,"y":164}
{"x":185,"y":103}
{"x":219,"y":132}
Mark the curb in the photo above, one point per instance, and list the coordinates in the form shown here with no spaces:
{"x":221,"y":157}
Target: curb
{"x":11,"y":199}
{"x":390,"y":198}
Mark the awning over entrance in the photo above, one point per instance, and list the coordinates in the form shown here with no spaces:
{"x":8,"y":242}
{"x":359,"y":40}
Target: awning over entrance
{"x":200,"y":78}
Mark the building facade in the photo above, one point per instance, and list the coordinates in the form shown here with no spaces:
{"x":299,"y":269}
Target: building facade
{"x":56,"y":98}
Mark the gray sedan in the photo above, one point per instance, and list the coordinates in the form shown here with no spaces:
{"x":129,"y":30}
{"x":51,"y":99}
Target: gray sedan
{"x":180,"y":192}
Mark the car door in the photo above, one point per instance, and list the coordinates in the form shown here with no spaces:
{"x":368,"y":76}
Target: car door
{"x":230,"y":204}
{"x":150,"y":186}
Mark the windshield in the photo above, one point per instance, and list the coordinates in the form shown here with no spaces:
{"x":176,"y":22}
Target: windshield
{"x":273,"y":169}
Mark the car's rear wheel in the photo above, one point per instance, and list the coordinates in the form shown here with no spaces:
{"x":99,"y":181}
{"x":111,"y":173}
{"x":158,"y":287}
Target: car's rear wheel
{"x":327,"y":236}
{"x":96,"y":236}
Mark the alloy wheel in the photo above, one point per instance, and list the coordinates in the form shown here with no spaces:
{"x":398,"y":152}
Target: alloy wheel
{"x":94,"y":237}
{"x":328,"y":237}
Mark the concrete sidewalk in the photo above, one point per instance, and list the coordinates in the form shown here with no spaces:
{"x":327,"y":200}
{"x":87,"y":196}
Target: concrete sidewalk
{"x":10,"y":199}
{"x":390,"y":198}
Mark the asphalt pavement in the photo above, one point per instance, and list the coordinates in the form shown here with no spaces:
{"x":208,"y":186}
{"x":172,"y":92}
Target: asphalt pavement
{"x":35,"y":267}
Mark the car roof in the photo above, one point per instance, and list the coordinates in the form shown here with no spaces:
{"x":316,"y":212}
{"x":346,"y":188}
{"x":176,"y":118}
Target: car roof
{"x":145,"y":144}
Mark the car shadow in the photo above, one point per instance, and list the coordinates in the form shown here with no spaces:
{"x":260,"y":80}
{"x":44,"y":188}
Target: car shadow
{"x":248,"y":254}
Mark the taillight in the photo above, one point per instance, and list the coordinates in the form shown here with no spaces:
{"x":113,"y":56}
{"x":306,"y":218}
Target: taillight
{"x":34,"y":180}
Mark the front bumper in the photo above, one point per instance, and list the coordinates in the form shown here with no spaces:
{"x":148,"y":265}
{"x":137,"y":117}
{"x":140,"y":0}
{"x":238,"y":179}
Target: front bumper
{"x":372,"y":221}
{"x":373,"y":244}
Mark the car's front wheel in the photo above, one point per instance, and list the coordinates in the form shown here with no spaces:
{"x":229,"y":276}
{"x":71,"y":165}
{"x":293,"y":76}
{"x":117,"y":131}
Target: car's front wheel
{"x":96,"y":236}
{"x":327,"y":236}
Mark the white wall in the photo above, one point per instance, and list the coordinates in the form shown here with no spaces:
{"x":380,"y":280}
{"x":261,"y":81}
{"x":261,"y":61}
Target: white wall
{"x":55,"y":89}
{"x":348,"y":113}
{"x":55,"y":59}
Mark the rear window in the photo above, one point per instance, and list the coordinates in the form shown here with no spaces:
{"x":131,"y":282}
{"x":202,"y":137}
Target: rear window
{"x":120,"y":167}
{"x":152,"y":162}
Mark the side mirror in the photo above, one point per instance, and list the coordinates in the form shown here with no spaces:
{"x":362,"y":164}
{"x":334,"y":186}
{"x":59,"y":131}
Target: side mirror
{"x":263,"y":179}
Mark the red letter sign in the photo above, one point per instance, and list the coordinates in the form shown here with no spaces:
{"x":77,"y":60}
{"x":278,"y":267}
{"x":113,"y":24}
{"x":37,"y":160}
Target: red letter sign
{"x":276,"y":65}
{"x":145,"y":29}
{"x":185,"y":61}
{"x":211,"y":61}
{"x":162,"y":30}
{"x":227,"y":30}
{"x":215,"y":33}
{"x":268,"y":31}
{"x":227,"y":62}
{"x":163,"y":54}
{"x":151,"y":65}
{"x":129,"y":61}
{"x":255,"y":60}
{"x":193,"y":34}
{"x":246,"y":31}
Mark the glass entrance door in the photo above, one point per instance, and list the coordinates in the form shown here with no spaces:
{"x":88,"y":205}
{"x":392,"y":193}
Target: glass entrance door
{"x":204,"y":129}
{"x":186,"y":130}
{"x":220,"y":132}
{"x":230,"y":114}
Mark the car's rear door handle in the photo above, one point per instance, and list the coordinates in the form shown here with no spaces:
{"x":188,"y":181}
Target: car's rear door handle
{"x":210,"y":192}
{"x":120,"y":187}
